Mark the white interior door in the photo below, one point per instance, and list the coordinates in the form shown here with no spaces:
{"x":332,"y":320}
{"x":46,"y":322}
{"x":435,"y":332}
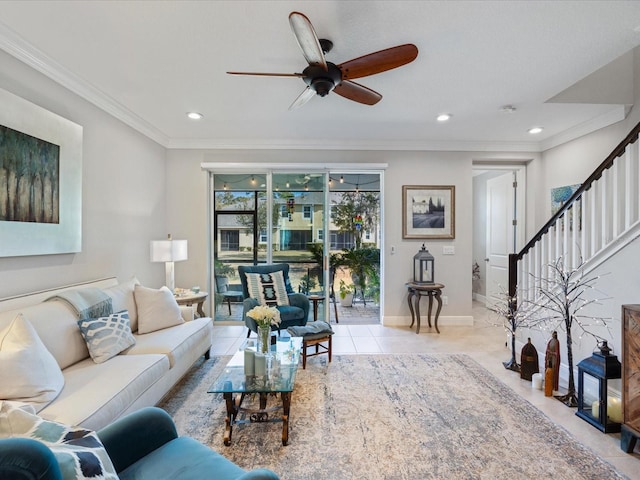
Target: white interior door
{"x":500,"y":235}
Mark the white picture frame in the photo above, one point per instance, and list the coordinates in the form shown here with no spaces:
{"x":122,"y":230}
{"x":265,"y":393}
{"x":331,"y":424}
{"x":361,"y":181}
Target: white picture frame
{"x":22,"y":238}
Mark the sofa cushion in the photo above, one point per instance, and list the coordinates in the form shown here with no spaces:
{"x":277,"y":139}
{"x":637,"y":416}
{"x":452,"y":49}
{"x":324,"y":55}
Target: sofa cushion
{"x":172,"y":458}
{"x":79,"y":452}
{"x":157,"y":309}
{"x":107,"y":336}
{"x":172,"y":341}
{"x":28,"y":372}
{"x":268,"y":288}
{"x":97,"y":393}
{"x":122,"y":299}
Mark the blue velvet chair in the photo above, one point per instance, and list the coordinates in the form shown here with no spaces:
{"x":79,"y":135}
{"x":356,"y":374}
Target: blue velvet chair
{"x":294,"y":314}
{"x":143,"y":445}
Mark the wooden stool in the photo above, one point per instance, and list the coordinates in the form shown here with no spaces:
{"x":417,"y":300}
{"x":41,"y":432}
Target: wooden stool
{"x":313,"y":334}
{"x":316,"y":340}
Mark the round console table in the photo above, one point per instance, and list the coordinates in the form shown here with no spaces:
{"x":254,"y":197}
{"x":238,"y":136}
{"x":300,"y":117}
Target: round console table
{"x":418,"y":290}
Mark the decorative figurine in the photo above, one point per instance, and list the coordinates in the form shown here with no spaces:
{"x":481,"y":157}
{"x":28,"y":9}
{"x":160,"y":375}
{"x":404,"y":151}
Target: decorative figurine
{"x":528,"y":361}
{"x":552,"y":358}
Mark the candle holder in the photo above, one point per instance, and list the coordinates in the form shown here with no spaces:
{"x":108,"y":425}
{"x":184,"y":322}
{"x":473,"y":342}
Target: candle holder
{"x":597,"y":407}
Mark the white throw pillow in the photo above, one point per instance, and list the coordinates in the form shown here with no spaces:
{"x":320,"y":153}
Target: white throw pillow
{"x":157,"y":309}
{"x":107,"y":336}
{"x":122,"y":299}
{"x":28,"y":372}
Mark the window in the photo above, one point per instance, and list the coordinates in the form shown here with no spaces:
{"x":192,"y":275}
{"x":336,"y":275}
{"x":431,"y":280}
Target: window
{"x":320,"y":235}
{"x":229,"y":240}
{"x":284,"y":211}
{"x":307,"y":211}
{"x":263,"y":235}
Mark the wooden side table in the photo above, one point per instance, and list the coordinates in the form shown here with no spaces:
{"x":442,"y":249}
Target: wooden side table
{"x":418,"y":290}
{"x":190,"y":298}
{"x":315,"y":299}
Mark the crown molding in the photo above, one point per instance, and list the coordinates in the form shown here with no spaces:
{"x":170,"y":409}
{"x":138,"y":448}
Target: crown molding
{"x":364,"y":145}
{"x":16,"y":46}
{"x":615,"y":115}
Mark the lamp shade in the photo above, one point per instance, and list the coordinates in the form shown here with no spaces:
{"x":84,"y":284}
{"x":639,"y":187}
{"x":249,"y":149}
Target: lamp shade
{"x":168,"y":250}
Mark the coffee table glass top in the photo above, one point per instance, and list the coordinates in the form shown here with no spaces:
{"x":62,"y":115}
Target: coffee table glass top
{"x":282,"y":366}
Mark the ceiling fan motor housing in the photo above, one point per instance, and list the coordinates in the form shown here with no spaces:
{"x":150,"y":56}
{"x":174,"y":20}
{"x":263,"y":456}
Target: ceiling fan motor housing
{"x":320,"y":80}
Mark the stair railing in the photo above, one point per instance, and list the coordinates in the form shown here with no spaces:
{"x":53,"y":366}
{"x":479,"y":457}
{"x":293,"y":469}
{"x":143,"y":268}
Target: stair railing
{"x":599,"y":212}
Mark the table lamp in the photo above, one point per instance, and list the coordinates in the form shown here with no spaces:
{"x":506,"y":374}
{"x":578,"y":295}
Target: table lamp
{"x":169,"y":251}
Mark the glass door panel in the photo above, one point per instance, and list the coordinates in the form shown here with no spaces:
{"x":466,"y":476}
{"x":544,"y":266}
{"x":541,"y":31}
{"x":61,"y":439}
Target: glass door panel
{"x":297,"y":226}
{"x":354,"y":239}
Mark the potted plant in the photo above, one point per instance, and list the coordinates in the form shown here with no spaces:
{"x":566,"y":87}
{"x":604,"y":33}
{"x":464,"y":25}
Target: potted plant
{"x":346,"y":293}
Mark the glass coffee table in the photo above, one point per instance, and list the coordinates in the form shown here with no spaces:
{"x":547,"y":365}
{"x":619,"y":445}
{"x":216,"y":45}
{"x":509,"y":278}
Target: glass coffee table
{"x":280,"y":378}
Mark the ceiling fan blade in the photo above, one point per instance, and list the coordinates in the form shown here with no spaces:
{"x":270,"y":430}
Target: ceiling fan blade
{"x":378,"y":62}
{"x":307,"y":39}
{"x":358,"y":93}
{"x":303,"y":98}
{"x":268,"y":74}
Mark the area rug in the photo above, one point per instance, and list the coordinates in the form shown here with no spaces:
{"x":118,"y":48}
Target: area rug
{"x":387,"y":417}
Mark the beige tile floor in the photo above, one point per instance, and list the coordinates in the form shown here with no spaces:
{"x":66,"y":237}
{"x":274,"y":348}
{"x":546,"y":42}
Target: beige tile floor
{"x":483,"y":342}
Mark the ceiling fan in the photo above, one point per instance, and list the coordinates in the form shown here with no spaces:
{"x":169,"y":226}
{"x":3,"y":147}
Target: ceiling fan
{"x":323,"y":77}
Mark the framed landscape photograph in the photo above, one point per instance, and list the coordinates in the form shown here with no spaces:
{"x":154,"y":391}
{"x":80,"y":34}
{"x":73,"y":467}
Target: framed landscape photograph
{"x":428,"y":211}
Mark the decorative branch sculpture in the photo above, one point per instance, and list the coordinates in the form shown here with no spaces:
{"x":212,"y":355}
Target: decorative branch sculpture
{"x":514,"y":315}
{"x":562,"y":294}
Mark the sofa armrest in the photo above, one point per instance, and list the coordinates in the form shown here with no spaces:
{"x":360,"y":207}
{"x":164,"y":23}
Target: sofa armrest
{"x":300,"y":300}
{"x":187,"y":312}
{"x":247,"y":305}
{"x":28,"y":458}
{"x":259,"y":474}
{"x":134,"y":436}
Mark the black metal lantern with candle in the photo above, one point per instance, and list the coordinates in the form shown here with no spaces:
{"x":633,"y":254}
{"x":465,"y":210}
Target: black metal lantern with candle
{"x":603,"y":412}
{"x":423,"y":266}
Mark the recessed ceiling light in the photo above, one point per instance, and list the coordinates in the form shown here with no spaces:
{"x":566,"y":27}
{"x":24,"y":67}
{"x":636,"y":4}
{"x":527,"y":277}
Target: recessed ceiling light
{"x":535,"y":130}
{"x":195,"y":115}
{"x":443,"y":117}
{"x":507,"y":109}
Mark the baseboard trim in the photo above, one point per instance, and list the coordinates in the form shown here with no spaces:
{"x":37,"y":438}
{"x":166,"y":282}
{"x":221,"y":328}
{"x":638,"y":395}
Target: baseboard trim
{"x":449,"y":320}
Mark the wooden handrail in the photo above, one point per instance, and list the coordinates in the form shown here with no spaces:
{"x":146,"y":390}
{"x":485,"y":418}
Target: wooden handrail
{"x":586,"y":185}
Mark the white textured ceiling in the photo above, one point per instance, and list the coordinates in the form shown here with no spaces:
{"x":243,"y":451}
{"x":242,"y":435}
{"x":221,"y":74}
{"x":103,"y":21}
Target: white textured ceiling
{"x":149,"y":62}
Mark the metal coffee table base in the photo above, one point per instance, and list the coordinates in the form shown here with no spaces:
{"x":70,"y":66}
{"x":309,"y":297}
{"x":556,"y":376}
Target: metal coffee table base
{"x":263,"y":414}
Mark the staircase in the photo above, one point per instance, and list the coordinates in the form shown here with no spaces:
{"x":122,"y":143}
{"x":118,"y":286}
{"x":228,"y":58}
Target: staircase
{"x":599,"y":219}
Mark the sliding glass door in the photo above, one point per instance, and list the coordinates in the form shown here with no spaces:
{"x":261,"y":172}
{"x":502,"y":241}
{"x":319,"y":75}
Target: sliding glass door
{"x":325,"y":225}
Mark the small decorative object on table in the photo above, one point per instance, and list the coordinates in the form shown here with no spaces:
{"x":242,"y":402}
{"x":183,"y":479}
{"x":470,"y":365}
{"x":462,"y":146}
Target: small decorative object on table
{"x":265,"y":317}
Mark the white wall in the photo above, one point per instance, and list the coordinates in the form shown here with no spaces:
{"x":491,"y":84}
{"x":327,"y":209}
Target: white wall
{"x":186,"y":192}
{"x":123,"y":203}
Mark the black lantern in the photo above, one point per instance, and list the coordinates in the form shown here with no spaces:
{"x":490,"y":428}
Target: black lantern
{"x":596,"y":407}
{"x":423,"y":266}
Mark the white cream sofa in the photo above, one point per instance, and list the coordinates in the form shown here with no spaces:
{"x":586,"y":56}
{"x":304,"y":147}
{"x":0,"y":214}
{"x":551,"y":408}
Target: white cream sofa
{"x":95,"y":394}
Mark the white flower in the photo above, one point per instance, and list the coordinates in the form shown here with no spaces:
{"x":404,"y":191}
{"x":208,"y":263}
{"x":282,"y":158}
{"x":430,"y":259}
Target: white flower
{"x":264,"y":315}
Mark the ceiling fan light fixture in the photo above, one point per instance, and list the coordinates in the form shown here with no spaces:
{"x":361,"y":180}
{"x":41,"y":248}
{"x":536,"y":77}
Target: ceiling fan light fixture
{"x":322,"y":86}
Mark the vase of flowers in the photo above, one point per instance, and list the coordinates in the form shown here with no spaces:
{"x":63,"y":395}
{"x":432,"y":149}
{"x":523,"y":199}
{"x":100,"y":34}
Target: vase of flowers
{"x":265,"y":317}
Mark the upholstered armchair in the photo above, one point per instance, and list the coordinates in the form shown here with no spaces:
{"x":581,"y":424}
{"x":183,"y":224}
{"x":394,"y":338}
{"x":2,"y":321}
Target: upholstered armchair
{"x":270,"y":284}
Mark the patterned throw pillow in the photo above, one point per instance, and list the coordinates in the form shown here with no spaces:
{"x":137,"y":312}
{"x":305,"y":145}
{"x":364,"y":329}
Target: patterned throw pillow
{"x":106,"y":337}
{"x":79,"y":452}
{"x":268,"y":288}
